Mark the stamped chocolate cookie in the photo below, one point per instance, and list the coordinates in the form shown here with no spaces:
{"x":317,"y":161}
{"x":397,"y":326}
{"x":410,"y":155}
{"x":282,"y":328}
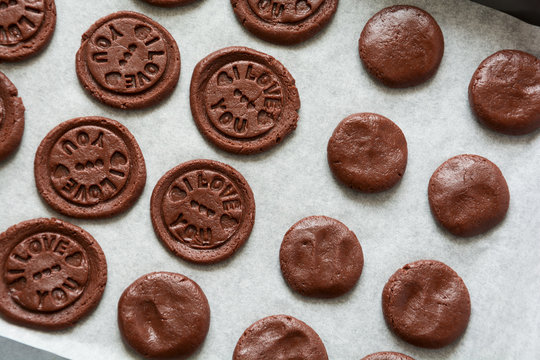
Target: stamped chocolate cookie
{"x":164,"y":315}
{"x":203,"y":210}
{"x":26,"y":27}
{"x":242,"y":100}
{"x":426,"y":304}
{"x":284,"y":22}
{"x":468,"y":195}
{"x":401,"y":46}
{"x":367,"y":152}
{"x":169,"y":3}
{"x":11,"y":117}
{"x":279,"y":337}
{"x":90,"y":167}
{"x":54,"y":273}
{"x":504,"y":92}
{"x":387,"y":355}
{"x":128,"y":60}
{"x":321,"y":257}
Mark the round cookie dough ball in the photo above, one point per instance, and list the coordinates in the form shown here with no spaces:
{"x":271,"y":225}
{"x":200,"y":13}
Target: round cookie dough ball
{"x":504,"y":92}
{"x":321,"y":257}
{"x":468,"y":195}
{"x":401,"y":46}
{"x":426,"y":304}
{"x":367,"y":152}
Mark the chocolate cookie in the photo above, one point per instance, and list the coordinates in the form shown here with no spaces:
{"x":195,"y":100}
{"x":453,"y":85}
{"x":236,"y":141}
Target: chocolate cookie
{"x":127,"y":60}
{"x":387,"y":355}
{"x":26,"y":27}
{"x":203,"y":210}
{"x":11,"y":117}
{"x":242,"y":100}
{"x":169,"y":3}
{"x":163,"y":315}
{"x":468,"y":195}
{"x":401,"y":46}
{"x":504,"y":92}
{"x":90,"y":167}
{"x":54,"y":273}
{"x":279,"y":337}
{"x":284,"y":22}
{"x":321,"y":257}
{"x":367,"y":152}
{"x":426,"y":304}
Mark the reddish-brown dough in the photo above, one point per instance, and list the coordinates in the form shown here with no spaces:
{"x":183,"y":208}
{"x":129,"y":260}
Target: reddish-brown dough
{"x":202,"y":210}
{"x":504,"y":92}
{"x":279,"y":337}
{"x":285,"y":22}
{"x":242,"y":100}
{"x":164,"y":315}
{"x":127,"y":60}
{"x":401,"y":46}
{"x":27,"y":27}
{"x":468,"y":195}
{"x":11,"y":117}
{"x":387,"y":355}
{"x":90,"y":167}
{"x":426,"y":304}
{"x":54,"y":273}
{"x":169,"y":3}
{"x":367,"y":152}
{"x":321,"y":257}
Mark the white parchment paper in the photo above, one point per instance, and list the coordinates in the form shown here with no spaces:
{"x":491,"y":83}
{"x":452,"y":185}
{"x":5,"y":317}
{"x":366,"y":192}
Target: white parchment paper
{"x":501,"y":268}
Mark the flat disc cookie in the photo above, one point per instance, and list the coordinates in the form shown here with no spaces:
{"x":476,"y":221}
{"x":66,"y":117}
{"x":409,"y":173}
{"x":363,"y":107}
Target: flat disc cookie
{"x":426,"y":304}
{"x":202,"y":210}
{"x":54,"y":273}
{"x":27,"y":27}
{"x":367,"y":152}
{"x":468,"y":195}
{"x":164,"y":315}
{"x":169,"y":3}
{"x":11,"y":117}
{"x":90,"y":167}
{"x":387,"y":355}
{"x":279,"y":337}
{"x":401,"y":46}
{"x":504,"y":92}
{"x":321,"y":257}
{"x":127,"y":60}
{"x":284,"y":22}
{"x":242,"y":100}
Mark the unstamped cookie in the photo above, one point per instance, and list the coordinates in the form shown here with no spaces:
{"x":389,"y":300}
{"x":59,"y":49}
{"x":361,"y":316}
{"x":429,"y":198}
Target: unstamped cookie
{"x":54,"y":273}
{"x":164,"y":315}
{"x":27,"y":27}
{"x":321,"y":257}
{"x":11,"y":117}
{"x":504,"y":92}
{"x":90,"y":167}
{"x":279,"y":337}
{"x":284,"y":22}
{"x":127,"y":60}
{"x":401,"y":46}
{"x":242,"y":100}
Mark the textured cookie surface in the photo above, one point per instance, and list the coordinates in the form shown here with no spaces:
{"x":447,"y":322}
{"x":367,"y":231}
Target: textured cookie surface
{"x":11,"y":117}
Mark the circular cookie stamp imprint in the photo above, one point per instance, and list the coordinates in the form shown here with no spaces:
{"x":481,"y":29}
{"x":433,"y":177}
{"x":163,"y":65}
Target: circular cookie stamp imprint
{"x":504,"y":92}
{"x":279,"y":337}
{"x":127,"y":60}
{"x":53,"y":273}
{"x":90,"y":167}
{"x":242,"y":100}
{"x":387,"y":355}
{"x":203,"y":210}
{"x":26,"y":27}
{"x":284,"y":21}
{"x":164,"y":315}
{"x":11,"y":117}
